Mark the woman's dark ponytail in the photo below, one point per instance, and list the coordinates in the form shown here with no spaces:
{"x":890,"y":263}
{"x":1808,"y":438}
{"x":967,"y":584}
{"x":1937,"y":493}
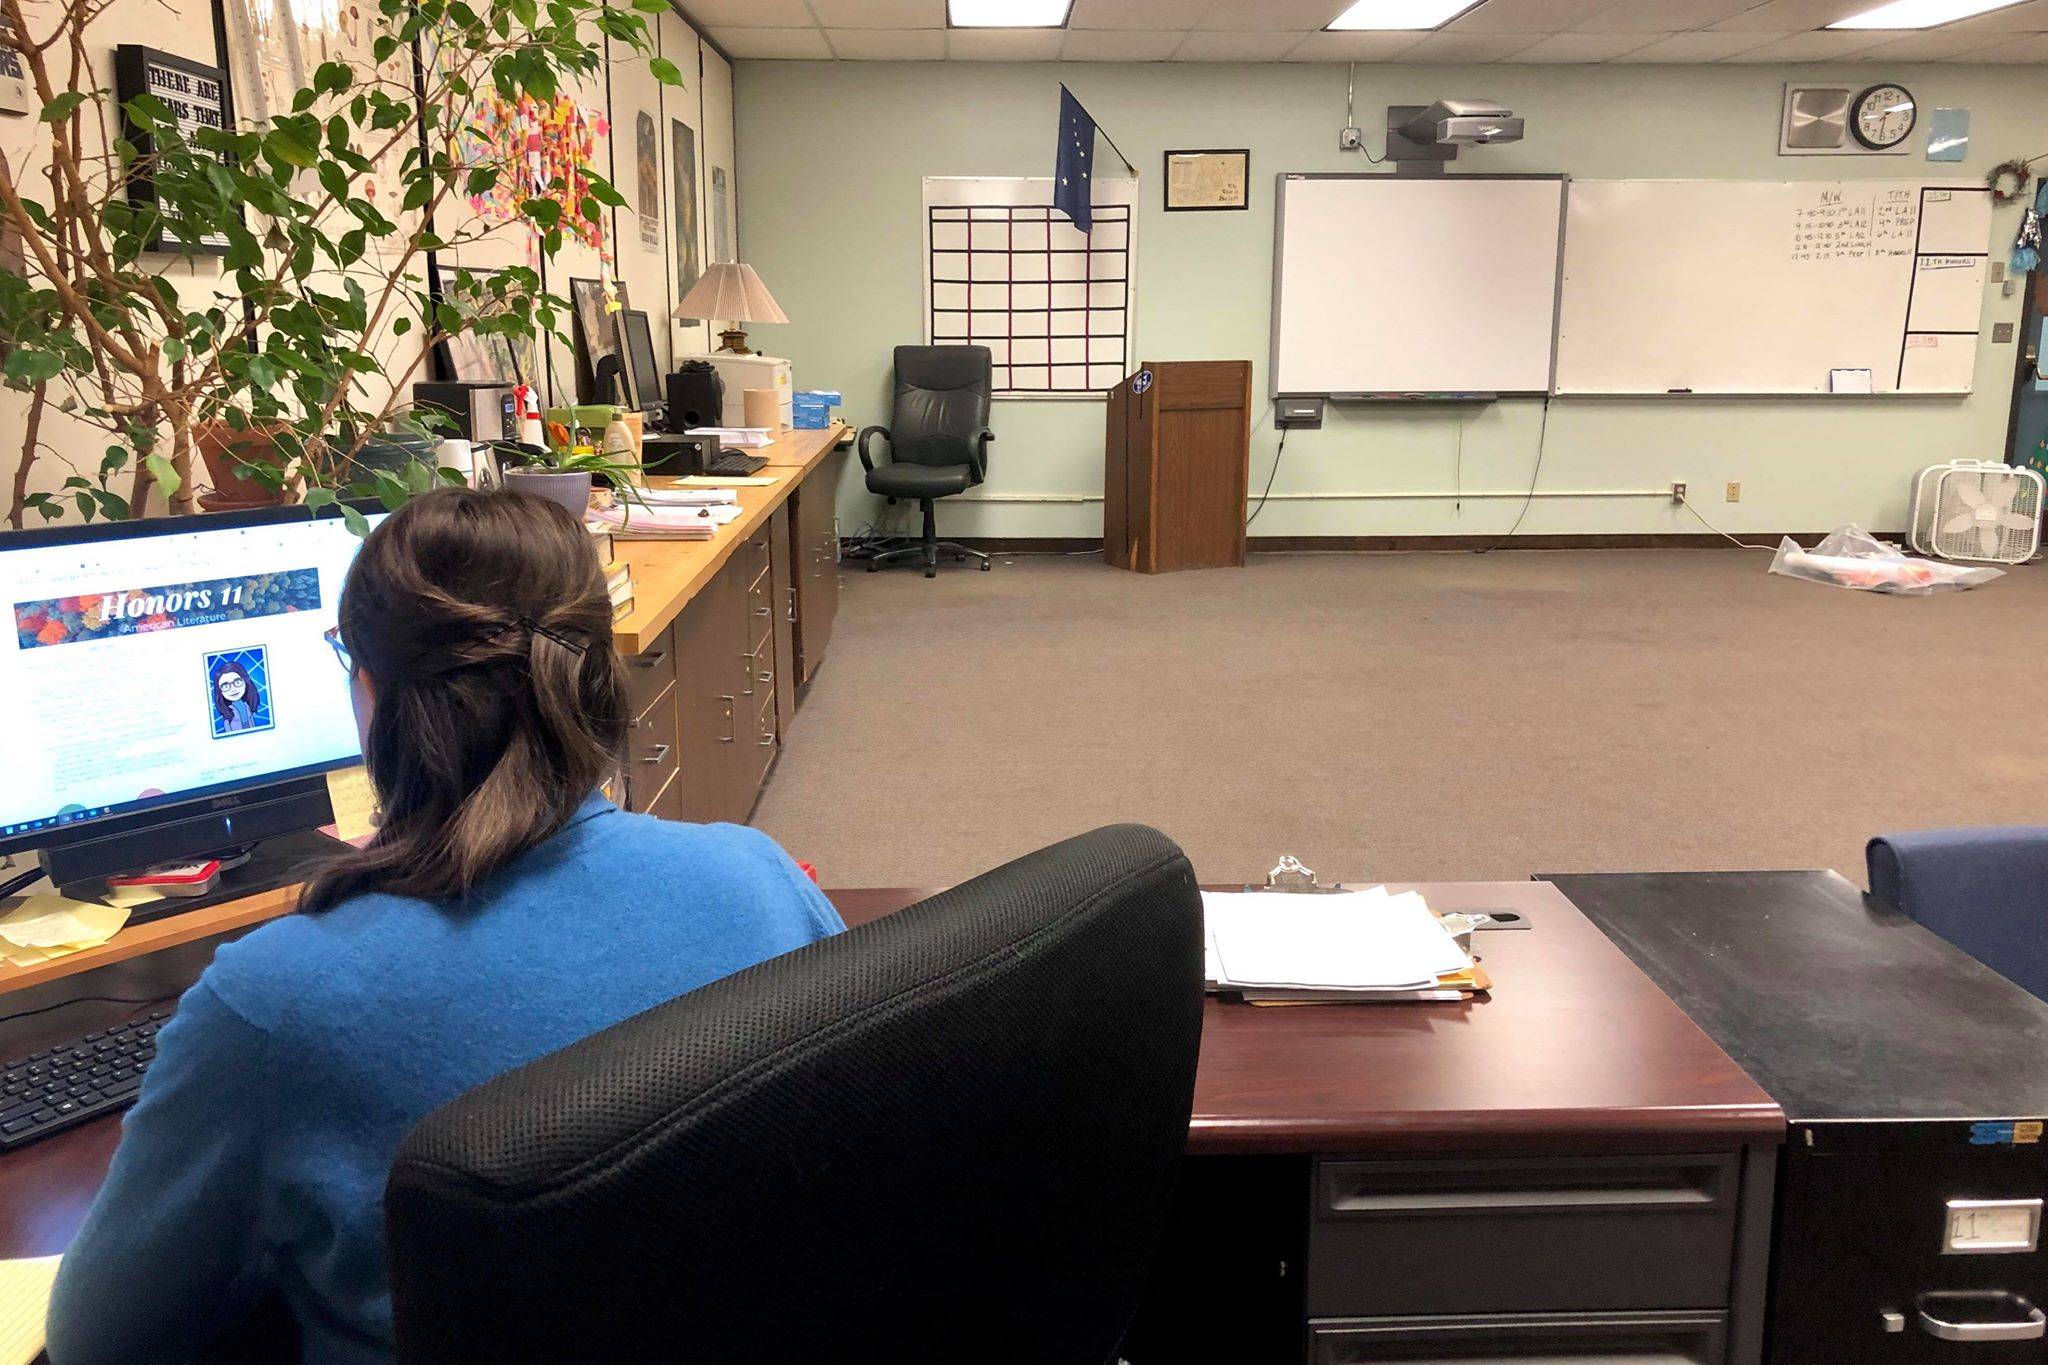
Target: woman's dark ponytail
{"x":484,"y":625}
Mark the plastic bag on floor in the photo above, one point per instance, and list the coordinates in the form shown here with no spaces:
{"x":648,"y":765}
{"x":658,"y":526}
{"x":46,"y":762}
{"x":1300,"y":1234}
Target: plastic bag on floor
{"x":1851,"y":557}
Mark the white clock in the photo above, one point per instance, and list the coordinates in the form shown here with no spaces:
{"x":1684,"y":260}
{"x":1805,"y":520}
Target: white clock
{"x":1883,"y":116}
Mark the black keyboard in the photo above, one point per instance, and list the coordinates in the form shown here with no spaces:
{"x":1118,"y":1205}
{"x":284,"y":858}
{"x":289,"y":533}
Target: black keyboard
{"x":733,"y":463}
{"x":63,"y":1086}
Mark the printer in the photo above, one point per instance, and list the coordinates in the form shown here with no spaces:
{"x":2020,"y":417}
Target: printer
{"x":743,"y":372}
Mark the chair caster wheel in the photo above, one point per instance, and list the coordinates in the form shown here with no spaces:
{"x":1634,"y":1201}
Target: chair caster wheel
{"x":874,"y":566}
{"x":931,"y":573}
{"x":986,"y":566}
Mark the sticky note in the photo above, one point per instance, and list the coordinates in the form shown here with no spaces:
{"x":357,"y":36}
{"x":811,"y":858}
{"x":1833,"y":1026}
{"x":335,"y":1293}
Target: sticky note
{"x":55,"y":922}
{"x":355,"y":803}
{"x":24,"y":1305}
{"x":130,"y":897}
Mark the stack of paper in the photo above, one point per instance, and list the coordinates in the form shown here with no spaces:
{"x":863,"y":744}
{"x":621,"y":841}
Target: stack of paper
{"x":740,"y":438}
{"x":1361,"y":945}
{"x":667,"y":521}
{"x":24,"y":1307}
{"x":38,"y":928}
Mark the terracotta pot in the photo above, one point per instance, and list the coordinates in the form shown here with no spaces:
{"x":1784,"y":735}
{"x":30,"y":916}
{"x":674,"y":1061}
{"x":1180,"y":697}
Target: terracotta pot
{"x":226,"y":450}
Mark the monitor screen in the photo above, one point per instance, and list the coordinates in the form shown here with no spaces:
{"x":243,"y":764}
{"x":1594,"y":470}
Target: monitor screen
{"x":156,"y":662}
{"x":642,"y":369}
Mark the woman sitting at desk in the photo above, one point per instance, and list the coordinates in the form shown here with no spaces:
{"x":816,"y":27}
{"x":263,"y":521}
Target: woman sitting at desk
{"x":505,"y":909}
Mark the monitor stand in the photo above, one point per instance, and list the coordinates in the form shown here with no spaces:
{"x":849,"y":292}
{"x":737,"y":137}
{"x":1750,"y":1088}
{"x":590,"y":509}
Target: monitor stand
{"x":272,"y":863}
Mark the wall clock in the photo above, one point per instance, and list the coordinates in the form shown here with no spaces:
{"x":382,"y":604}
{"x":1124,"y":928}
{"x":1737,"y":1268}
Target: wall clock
{"x":1883,"y":116}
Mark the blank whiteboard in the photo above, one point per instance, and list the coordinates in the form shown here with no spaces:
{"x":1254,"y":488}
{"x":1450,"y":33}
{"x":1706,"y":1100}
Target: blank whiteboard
{"x":1765,"y":287}
{"x":1388,"y":284}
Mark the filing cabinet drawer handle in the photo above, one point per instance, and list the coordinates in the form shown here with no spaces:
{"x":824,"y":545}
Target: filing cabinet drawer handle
{"x":764,"y":611}
{"x":647,"y":658}
{"x":2029,"y":1327}
{"x":657,"y":756}
{"x":767,"y":740}
{"x":764,"y":678}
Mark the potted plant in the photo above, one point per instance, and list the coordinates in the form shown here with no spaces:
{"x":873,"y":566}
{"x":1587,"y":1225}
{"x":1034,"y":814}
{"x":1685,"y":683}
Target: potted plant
{"x":323,"y":219}
{"x":568,"y":476}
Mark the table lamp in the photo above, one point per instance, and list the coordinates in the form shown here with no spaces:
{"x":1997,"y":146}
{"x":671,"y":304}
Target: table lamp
{"x":733,"y":292}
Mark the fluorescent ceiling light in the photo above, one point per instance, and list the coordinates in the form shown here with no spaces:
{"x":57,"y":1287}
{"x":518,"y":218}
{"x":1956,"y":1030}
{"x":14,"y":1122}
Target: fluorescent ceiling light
{"x":1920,"y":13}
{"x":1401,"y":14}
{"x":1008,"y":13}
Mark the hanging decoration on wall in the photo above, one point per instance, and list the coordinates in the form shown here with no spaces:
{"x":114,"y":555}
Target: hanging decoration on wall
{"x":543,"y":149}
{"x":197,"y":97}
{"x":2026,"y":247}
{"x":647,"y":162}
{"x":2009,"y":179}
{"x":682,"y":160}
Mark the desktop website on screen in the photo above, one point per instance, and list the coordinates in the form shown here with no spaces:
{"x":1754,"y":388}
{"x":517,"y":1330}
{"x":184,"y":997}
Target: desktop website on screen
{"x":141,"y":669}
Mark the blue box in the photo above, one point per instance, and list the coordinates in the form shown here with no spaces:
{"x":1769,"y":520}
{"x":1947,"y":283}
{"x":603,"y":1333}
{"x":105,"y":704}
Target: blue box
{"x":831,"y":398}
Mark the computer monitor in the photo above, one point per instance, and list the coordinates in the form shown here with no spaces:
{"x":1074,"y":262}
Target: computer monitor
{"x":643,"y":371}
{"x":171,"y":687}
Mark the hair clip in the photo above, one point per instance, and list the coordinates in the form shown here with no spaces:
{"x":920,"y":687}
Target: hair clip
{"x":538,"y":629}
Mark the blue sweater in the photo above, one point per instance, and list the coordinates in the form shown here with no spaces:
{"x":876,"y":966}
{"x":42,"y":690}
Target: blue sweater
{"x":256,"y":1157}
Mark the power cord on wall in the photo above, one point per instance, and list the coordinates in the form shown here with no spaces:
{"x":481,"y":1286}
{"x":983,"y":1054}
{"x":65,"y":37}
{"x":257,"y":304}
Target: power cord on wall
{"x":1686,"y":502}
{"x":1350,"y":123}
{"x":1535,"y":476}
{"x":1271,"y":474}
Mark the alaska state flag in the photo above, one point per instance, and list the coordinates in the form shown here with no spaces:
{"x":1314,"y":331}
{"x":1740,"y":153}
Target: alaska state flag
{"x":1073,"y":180}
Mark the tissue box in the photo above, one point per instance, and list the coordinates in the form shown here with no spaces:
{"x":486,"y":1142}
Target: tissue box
{"x":811,"y":409}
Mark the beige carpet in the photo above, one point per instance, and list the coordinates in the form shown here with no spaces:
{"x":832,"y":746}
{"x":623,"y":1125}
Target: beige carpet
{"x":1409,"y":716}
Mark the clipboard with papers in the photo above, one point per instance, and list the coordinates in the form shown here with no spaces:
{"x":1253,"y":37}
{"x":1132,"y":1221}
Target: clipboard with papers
{"x":1277,"y":945}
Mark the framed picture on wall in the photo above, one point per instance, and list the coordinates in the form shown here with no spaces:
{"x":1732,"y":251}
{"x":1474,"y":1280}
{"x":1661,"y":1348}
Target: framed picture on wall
{"x":682,"y":160}
{"x":721,"y":217}
{"x":1208,"y":181}
{"x":596,"y":334}
{"x":647,"y":165}
{"x":486,"y":357}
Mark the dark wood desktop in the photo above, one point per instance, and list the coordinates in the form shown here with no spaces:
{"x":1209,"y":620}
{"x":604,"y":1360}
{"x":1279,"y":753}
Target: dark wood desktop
{"x":1569,"y":1155}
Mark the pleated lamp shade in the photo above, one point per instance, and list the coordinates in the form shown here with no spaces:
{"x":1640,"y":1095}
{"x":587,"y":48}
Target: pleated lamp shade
{"x":729,"y":291}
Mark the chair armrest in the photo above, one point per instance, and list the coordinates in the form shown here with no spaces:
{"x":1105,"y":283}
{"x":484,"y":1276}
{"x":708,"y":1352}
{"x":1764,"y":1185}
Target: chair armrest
{"x":977,"y":453}
{"x":1985,"y":890}
{"x":861,"y":446}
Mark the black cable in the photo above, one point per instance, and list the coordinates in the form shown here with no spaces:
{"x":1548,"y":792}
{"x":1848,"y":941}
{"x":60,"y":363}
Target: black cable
{"x":1535,"y":476}
{"x":14,"y":884}
{"x":1281,"y":450}
{"x":85,"y":999}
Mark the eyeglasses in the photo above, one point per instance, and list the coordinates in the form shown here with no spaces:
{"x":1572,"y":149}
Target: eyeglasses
{"x":333,"y":637}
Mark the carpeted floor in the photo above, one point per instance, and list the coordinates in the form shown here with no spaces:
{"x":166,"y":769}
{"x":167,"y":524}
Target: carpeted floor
{"x":1409,"y":716}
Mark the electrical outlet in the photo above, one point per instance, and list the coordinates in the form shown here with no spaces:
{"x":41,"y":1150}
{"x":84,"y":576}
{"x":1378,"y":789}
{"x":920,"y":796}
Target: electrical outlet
{"x":1350,"y":140}
{"x":1734,"y":491}
{"x":1677,"y":494}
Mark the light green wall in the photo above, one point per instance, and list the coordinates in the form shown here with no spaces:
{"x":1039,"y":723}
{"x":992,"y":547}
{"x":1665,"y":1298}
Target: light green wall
{"x":831,"y":157}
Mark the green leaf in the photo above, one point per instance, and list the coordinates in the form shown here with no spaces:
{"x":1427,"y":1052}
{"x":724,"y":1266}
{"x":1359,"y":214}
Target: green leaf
{"x":61,"y":107}
{"x":115,"y":457}
{"x":665,"y":70}
{"x":356,"y":522}
{"x":331,"y":78}
{"x":166,"y":477}
{"x":319,"y":497}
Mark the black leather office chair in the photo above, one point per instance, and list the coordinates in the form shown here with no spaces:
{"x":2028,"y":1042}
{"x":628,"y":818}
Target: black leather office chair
{"x":947,"y":1135}
{"x":938,"y":441}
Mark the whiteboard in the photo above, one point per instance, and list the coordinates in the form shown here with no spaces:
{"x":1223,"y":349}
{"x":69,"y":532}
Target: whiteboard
{"x":1386,"y":284}
{"x":1701,"y":286}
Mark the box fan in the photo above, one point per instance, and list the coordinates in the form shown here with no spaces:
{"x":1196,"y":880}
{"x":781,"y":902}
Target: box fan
{"x":1977,"y":509}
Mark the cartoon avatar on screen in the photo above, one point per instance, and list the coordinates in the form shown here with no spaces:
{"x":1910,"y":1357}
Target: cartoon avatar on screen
{"x":241,"y":703}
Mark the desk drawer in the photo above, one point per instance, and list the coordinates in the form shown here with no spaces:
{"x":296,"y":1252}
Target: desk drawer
{"x":752,"y":557}
{"x":1521,"y":1235}
{"x":651,"y":757}
{"x":1677,"y":1338}
{"x":650,"y":672}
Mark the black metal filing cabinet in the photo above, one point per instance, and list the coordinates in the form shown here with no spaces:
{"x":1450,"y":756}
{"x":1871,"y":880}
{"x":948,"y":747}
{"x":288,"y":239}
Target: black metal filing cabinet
{"x":1915,"y":1083}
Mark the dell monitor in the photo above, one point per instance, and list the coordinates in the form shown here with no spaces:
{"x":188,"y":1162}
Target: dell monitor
{"x":172,"y":687}
{"x":643,"y":371}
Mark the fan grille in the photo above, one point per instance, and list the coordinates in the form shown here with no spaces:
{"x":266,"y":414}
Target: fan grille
{"x":1987,"y":513}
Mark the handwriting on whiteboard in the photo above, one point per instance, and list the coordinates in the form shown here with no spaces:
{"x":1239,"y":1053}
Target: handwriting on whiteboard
{"x":1855,"y":225}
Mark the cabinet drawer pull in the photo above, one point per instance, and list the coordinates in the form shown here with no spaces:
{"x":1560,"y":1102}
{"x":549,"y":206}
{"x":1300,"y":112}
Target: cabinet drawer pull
{"x":657,"y":756}
{"x":767,"y":740}
{"x":764,"y":678}
{"x":730,"y":723}
{"x":647,"y":658}
{"x":764,"y":611}
{"x":2021,"y":1322}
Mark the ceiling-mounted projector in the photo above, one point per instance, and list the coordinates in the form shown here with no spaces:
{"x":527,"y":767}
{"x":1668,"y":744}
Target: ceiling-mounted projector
{"x":1434,"y":132}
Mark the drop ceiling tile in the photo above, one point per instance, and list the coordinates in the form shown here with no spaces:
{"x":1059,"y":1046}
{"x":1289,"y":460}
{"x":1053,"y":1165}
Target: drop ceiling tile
{"x":1527,"y":16}
{"x":1004,"y":44}
{"x":1586,"y":47}
{"x":1662,"y":16}
{"x":1934,"y":45}
{"x":1350,"y":47}
{"x":2031,"y":17}
{"x":1449,"y":47}
{"x":835,"y":14}
{"x":796,"y":44}
{"x":1111,"y":45}
{"x":1793,"y":16}
{"x":1157,"y":16}
{"x":751,"y":14}
{"x":1296,"y":16}
{"x":1238,"y":47}
{"x":1818,"y":46}
{"x":1695,"y":47}
{"x":2027,"y":49}
{"x":890,"y":44}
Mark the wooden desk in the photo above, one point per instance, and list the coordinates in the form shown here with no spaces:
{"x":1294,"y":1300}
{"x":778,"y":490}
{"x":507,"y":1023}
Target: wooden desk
{"x":1577,"y":1110}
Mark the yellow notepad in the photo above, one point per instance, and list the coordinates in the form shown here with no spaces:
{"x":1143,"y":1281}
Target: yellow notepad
{"x":25,"y":1307}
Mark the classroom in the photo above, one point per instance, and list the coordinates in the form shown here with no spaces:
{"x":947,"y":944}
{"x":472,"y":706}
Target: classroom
{"x":1052,"y":682}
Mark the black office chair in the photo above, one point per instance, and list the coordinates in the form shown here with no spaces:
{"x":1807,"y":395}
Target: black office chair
{"x":938,"y":442}
{"x":946,"y":1135}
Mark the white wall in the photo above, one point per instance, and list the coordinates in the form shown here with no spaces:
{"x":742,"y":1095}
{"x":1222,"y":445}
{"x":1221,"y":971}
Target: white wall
{"x":833,"y":155}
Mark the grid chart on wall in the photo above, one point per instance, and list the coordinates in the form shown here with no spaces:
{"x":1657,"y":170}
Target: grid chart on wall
{"x":1052,"y":304}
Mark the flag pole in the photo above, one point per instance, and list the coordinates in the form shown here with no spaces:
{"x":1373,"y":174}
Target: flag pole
{"x":1103,"y":134}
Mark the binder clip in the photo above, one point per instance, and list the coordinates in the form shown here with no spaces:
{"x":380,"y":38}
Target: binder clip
{"x":1289,"y":875}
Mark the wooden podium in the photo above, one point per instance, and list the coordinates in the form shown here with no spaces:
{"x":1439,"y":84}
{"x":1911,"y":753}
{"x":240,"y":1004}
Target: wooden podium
{"x":1176,"y":457}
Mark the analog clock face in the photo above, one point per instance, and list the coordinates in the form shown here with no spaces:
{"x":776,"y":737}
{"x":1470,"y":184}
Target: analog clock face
{"x":1884,"y":116}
